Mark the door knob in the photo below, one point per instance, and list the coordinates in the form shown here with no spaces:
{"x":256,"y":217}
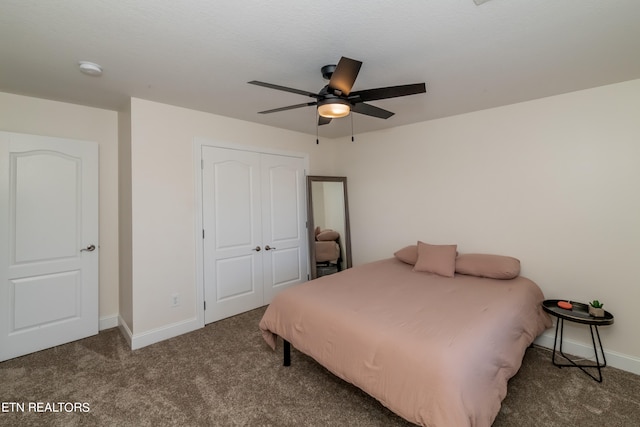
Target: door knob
{"x":89,"y":248}
{"x":268,"y":248}
{"x":257,"y":249}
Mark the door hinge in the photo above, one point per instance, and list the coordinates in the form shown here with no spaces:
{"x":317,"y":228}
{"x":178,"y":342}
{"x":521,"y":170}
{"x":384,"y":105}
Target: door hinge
{"x":201,"y":163}
{"x":203,"y":233}
{"x":308,"y":278}
{"x":205,"y":305}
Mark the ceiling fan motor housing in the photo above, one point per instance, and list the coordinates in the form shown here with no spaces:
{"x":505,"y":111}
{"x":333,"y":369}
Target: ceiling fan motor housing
{"x":327,"y":71}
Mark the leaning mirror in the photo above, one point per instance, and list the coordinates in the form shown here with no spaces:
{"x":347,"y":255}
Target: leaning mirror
{"x":328,"y":216}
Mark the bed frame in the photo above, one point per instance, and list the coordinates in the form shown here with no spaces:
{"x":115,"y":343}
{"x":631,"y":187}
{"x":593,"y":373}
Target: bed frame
{"x":286,"y":353}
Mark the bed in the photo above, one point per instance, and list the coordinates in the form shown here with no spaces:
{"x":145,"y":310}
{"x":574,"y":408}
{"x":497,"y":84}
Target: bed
{"x":436,"y":349}
{"x":327,"y":248}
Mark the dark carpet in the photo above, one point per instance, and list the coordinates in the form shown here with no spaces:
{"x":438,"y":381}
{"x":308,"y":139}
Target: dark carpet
{"x":225,"y":375}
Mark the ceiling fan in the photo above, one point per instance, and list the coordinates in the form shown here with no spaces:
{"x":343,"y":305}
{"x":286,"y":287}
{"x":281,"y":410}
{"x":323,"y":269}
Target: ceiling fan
{"x":336,"y":99}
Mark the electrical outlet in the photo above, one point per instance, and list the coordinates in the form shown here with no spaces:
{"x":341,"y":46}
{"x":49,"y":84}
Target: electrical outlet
{"x":175,"y":300}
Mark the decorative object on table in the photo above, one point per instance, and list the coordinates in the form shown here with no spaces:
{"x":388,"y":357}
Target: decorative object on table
{"x":565,"y":304}
{"x":595,"y":308}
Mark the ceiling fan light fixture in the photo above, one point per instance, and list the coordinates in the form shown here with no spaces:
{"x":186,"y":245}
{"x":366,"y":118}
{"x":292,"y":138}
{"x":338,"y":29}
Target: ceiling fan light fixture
{"x":334,"y":108}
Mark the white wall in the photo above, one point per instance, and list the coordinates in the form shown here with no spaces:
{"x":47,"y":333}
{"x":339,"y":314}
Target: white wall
{"x":164,"y":204}
{"x":49,"y":118}
{"x":554,"y":182}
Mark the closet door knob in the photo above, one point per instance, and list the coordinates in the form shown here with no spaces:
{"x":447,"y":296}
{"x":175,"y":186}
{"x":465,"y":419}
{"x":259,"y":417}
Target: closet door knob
{"x":268,"y":248}
{"x":257,"y":249}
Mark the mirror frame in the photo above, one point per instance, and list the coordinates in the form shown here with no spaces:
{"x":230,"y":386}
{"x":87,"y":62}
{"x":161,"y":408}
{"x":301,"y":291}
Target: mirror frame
{"x":311,"y":224}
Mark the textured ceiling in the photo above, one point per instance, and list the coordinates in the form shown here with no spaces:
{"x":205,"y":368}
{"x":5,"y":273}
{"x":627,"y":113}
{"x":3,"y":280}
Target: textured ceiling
{"x":200,"y":54}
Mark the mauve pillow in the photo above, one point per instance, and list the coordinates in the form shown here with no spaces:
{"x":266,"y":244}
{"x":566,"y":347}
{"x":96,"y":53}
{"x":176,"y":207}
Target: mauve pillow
{"x":327,"y":235}
{"x":438,"y":259}
{"x":486,"y":265}
{"x":408,"y":254}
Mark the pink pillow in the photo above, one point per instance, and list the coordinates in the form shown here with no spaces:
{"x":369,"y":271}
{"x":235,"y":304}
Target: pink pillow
{"x":327,"y":235}
{"x":485,"y":265}
{"x":438,"y":259}
{"x":408,"y":254}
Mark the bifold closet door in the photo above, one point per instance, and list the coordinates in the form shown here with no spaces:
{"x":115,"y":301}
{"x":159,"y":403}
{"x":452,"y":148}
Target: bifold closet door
{"x":254,"y":229}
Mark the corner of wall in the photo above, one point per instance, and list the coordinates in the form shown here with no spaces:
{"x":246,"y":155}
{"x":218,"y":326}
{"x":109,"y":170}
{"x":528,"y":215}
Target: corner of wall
{"x":125,"y":295}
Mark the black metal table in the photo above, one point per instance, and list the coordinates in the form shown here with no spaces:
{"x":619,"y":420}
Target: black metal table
{"x":579,"y":313}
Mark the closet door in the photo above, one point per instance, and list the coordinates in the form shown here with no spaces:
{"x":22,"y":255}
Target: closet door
{"x":283,"y":223}
{"x":254,"y":228}
{"x":232,"y":232}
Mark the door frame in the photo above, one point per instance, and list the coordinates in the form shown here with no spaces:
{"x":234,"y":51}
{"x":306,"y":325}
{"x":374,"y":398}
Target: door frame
{"x":198,"y":143}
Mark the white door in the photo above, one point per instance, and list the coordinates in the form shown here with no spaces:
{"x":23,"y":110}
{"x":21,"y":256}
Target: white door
{"x":254,"y":228}
{"x":284,"y":233}
{"x":232,"y":237}
{"x":49,"y":241}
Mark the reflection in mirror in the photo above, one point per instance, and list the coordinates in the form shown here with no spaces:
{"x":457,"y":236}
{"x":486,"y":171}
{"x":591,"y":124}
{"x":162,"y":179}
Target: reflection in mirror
{"x":329,"y":234}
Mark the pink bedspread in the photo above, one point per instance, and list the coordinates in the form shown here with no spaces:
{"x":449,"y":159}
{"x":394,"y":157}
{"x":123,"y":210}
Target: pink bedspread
{"x":437,"y":351}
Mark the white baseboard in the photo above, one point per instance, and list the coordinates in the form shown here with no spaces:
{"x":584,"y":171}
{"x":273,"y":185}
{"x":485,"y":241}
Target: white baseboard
{"x":153,"y":336}
{"x":124,"y":329}
{"x":164,"y":333}
{"x":108,"y":322}
{"x":614,"y":359}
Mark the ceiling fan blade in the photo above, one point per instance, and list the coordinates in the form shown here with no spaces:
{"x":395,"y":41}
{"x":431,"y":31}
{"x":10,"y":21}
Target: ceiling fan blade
{"x":344,"y":76}
{"x":323,"y":120}
{"x":387,"y":92}
{"x":284,"y":88}
{"x":370,"y":110}
{"x":290,"y":107}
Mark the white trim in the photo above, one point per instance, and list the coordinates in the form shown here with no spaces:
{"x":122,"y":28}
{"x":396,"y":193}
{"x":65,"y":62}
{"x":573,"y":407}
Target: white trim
{"x":108,"y":322}
{"x":614,"y":359}
{"x":124,"y":329}
{"x":164,"y":333}
{"x":199,"y":227}
{"x":198,"y":143}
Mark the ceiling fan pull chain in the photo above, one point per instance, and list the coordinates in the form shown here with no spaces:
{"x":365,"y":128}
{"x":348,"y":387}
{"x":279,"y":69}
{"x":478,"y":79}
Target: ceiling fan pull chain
{"x":352,"y":138}
{"x":317,"y":138}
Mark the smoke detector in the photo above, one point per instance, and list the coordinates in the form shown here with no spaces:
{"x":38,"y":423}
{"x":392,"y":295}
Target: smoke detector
{"x":90,"y":68}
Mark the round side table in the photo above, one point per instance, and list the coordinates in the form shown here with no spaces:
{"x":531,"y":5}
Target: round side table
{"x":579,"y":313}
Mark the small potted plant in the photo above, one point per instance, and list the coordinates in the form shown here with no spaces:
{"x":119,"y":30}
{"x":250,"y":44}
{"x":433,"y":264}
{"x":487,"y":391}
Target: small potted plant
{"x":595,"y":308}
